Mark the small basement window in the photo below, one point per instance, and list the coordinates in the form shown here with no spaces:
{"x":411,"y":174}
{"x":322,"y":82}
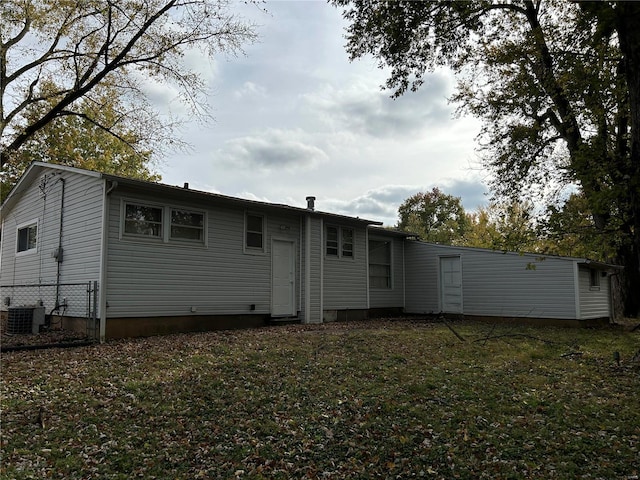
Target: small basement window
{"x":27,"y":237}
{"x":143,"y":220}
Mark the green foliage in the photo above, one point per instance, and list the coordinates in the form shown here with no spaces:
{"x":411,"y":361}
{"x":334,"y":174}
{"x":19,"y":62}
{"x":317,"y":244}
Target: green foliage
{"x":503,"y":226}
{"x":83,"y":45}
{"x":99,"y":137}
{"x":383,"y":399}
{"x":435,"y":216}
{"x":569,"y":230}
{"x":557,"y":85}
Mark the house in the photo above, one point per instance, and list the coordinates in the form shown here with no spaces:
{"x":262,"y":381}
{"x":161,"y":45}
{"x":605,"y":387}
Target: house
{"x":487,"y":284}
{"x":160,"y":259}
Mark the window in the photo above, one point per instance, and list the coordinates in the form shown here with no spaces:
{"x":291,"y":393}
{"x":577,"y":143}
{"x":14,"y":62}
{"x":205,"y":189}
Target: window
{"x":143,"y":220}
{"x":594,"y":279}
{"x":379,"y":264}
{"x":254,"y":231}
{"x":27,"y":237}
{"x":339,"y":242}
{"x":332,"y":241}
{"x":347,"y":242}
{"x":187,"y":225}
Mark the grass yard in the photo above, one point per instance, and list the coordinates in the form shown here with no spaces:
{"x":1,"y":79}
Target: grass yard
{"x":381,"y":399}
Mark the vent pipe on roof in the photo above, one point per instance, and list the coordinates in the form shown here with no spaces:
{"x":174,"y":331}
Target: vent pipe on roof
{"x":186,"y":185}
{"x":311,"y":203}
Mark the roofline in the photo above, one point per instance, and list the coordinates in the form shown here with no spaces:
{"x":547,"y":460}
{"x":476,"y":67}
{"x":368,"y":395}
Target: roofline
{"x":231,"y":199}
{"x":392,"y":232}
{"x":36,"y":166}
{"x":578,"y":260}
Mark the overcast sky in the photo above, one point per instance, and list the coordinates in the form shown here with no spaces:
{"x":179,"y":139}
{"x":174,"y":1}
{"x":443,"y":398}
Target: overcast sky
{"x":295,"y":118}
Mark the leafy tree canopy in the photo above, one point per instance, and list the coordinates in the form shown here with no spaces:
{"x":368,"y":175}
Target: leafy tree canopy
{"x":54,"y":54}
{"x":81,"y":141}
{"x":556,"y":83}
{"x":435,"y":217}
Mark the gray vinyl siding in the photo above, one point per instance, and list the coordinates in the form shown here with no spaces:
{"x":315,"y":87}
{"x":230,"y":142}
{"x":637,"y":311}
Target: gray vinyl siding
{"x":147,"y":278}
{"x":391,"y":297}
{"x":81,"y":232}
{"x":494,"y":283}
{"x":345,"y":278}
{"x":594,"y":302}
{"x":315,"y":293}
{"x":421,"y":278}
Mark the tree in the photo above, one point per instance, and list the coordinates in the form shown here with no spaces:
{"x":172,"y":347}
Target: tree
{"x":77,"y":46}
{"x":556,"y":83}
{"x":435,"y":216}
{"x":503,"y":226}
{"x":74,"y":141}
{"x":568,"y":229}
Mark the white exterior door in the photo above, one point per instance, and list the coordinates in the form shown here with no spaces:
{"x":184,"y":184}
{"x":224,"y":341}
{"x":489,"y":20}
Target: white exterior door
{"x":451,"y":284}
{"x":283,"y":285}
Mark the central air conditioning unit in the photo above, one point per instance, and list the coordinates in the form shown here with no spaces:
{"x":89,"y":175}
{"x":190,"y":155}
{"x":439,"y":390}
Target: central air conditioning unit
{"x":25,"y":319}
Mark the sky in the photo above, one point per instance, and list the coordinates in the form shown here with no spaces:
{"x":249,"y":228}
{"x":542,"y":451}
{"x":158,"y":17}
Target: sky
{"x":293,"y":117}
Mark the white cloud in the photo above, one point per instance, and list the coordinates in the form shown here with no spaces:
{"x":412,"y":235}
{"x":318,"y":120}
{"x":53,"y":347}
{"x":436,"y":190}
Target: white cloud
{"x":250,"y":89}
{"x":269,"y":150}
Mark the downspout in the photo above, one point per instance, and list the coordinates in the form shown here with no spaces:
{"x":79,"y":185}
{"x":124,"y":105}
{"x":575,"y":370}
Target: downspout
{"x":307,"y":271}
{"x":366,"y":259}
{"x":59,"y":253}
{"x":576,"y":289}
{"x":404,"y":277}
{"x":321,"y":306}
{"x":102,"y":311}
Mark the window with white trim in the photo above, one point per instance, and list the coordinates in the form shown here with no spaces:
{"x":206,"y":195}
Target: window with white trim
{"x":347,"y":242}
{"x":254,"y":232}
{"x":27,"y":237}
{"x":379,"y":263}
{"x":594,"y":279}
{"x":339,"y":241}
{"x":143,"y":220}
{"x":186,"y":225}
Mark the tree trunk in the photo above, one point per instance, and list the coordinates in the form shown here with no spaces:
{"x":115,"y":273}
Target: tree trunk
{"x":628,"y":28}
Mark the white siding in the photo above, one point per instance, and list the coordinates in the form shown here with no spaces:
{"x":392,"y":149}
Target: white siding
{"x":494,"y":283}
{"x":390,"y":297}
{"x":80,"y":236}
{"x":594,"y":302}
{"x":315,"y":294}
{"x":345,"y":278}
{"x":147,"y":278}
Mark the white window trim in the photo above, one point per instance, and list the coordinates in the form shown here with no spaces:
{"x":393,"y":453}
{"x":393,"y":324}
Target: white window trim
{"x":165,"y":237}
{"x":29,"y":251}
{"x":340,"y":255}
{"x":391,"y":279}
{"x":254,"y":250}
{"x":168,"y":213}
{"x":144,"y":238}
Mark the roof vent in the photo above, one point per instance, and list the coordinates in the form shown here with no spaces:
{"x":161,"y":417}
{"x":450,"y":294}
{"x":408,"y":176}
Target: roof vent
{"x":186,"y":185}
{"x":311,"y":203}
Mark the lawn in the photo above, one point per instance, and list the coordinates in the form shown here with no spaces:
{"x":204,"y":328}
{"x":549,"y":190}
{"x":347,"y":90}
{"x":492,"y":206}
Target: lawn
{"x":380,"y":399}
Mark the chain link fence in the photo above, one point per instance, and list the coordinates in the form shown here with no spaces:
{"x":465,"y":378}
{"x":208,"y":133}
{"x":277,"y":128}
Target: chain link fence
{"x":48,"y":313}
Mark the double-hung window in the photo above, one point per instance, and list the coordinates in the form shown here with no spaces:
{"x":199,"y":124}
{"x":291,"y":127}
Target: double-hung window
{"x":143,"y":220}
{"x":165,"y":224}
{"x":379,"y":263}
{"x":186,"y":225}
{"x":339,"y":242}
{"x":254,"y":232}
{"x":27,"y":237}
